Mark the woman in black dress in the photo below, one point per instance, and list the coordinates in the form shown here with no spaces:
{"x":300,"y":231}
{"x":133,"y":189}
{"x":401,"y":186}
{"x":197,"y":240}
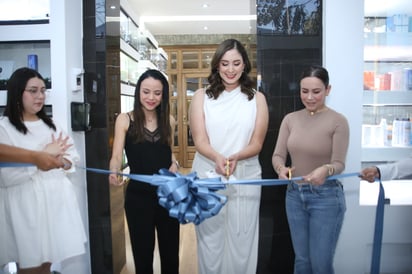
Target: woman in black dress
{"x":145,"y":133}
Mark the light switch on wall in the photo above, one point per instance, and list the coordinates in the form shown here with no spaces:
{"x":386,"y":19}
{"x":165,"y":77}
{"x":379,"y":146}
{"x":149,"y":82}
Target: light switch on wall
{"x":77,"y":79}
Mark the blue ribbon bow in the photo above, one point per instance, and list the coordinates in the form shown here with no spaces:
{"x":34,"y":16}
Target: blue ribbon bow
{"x":188,"y":198}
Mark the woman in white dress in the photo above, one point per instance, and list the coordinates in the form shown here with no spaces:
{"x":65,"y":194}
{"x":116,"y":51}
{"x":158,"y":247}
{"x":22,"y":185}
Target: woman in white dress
{"x":229,"y":121}
{"x":40,"y":220}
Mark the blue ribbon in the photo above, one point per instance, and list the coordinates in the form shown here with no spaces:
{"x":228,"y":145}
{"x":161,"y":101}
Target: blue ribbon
{"x":377,"y":237}
{"x":277,"y":182}
{"x":186,"y":197}
{"x":15,"y":164}
{"x":190,"y":199}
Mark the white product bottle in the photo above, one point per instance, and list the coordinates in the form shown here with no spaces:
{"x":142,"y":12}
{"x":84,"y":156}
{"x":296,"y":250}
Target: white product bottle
{"x":410,"y":134}
{"x":384,"y":132}
{"x":395,"y":132}
{"x":406,"y":131}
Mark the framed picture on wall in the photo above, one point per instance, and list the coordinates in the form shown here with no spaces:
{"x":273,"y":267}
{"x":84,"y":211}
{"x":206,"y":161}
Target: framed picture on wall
{"x":296,"y":17}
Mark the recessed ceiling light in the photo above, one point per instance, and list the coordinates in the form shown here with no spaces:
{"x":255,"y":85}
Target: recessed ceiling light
{"x":112,"y":7}
{"x":205,"y":28}
{"x":198,"y":18}
{"x":205,"y":5}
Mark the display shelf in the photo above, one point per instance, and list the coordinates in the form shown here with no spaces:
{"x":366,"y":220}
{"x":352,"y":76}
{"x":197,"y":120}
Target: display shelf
{"x":129,"y":50}
{"x":387,"y":98}
{"x":385,"y":154}
{"x":139,"y":52}
{"x":388,"y":46}
{"x":387,"y":95}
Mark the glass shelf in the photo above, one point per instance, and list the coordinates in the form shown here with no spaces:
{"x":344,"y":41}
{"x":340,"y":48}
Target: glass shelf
{"x":14,"y":55}
{"x":387,"y":96}
{"x":384,"y":154}
{"x":388,"y":46}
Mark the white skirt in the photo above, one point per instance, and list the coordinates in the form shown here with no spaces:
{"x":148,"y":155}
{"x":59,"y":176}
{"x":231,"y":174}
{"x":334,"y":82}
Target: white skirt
{"x":40,"y":221}
{"x":228,"y":242}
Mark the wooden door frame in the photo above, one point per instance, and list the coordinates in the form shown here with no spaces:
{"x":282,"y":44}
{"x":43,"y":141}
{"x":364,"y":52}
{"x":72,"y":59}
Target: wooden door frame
{"x":187,"y":152}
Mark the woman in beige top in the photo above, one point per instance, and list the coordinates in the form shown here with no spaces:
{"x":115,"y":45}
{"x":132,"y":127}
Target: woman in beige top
{"x":316,"y":138}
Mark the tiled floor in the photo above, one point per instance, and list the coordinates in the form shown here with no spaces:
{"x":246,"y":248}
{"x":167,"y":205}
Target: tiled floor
{"x":188,"y":256}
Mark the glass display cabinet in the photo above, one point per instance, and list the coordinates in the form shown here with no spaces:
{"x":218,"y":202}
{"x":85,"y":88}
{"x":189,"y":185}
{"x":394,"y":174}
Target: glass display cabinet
{"x":387,"y":95}
{"x":139,"y":52}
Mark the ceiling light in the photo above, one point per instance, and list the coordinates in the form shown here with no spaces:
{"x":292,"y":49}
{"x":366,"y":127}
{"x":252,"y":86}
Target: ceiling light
{"x":205,"y":5}
{"x":205,"y":27}
{"x":197,"y":18}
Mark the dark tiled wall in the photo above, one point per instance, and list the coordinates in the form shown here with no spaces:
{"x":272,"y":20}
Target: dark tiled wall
{"x":280,"y":62}
{"x":101,"y":51}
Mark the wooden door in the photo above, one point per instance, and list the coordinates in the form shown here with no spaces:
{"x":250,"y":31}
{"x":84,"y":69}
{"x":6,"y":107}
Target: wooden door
{"x":191,"y":82}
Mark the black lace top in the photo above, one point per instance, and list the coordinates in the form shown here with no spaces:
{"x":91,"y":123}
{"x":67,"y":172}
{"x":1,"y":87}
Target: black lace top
{"x":146,"y":157}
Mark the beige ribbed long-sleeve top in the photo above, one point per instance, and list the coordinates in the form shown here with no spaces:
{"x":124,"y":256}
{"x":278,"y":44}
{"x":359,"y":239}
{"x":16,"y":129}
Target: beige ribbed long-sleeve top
{"x":312,"y":141}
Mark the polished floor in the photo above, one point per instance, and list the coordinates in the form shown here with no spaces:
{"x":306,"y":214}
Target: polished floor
{"x":188,"y":255}
{"x":188,"y":258}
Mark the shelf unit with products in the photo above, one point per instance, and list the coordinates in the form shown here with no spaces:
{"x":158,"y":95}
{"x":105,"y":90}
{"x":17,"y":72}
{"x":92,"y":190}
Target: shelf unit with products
{"x":387,"y":96}
{"x":28,"y":47}
{"x":139,"y":51}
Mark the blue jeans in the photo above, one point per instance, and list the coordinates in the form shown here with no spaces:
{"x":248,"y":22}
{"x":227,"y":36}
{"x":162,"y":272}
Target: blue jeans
{"x":315,"y":215}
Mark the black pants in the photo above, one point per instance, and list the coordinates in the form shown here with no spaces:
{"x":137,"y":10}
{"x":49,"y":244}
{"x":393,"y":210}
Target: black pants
{"x":144,"y":215}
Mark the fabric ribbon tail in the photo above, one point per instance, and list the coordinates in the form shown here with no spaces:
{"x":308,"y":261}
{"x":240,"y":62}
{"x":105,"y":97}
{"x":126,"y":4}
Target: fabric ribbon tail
{"x":377,"y":237}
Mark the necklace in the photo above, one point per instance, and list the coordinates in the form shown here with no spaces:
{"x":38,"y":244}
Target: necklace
{"x":318,"y":111}
{"x":150,"y":120}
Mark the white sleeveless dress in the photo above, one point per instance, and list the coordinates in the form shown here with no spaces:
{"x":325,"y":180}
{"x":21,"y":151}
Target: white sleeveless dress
{"x":228,"y":242}
{"x":40,"y":219}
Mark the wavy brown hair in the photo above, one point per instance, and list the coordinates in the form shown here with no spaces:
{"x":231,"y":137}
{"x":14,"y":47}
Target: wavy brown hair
{"x":216,"y":84}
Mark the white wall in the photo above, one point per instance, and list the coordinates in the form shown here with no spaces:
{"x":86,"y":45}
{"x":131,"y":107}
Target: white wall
{"x":343,"y":55}
{"x":66,"y":50}
{"x":65,"y":32}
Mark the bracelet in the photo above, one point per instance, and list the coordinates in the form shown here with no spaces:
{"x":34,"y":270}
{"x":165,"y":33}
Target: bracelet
{"x":330,"y":168}
{"x":278,"y":168}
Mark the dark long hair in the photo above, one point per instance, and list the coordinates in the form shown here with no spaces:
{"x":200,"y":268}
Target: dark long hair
{"x":216,"y":85}
{"x":316,"y":71}
{"x":14,"y":107}
{"x":162,"y":110}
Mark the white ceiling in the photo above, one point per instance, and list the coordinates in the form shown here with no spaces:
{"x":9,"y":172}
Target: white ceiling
{"x":223,"y":14}
{"x":220,"y":17}
{"x":193,"y":11}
